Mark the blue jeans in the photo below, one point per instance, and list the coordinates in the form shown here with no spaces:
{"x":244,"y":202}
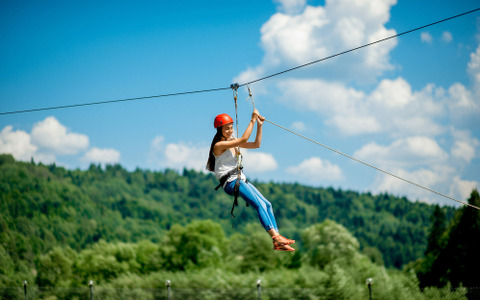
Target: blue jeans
{"x":255,"y":198}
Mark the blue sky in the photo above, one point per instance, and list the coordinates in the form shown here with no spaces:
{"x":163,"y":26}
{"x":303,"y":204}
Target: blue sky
{"x":409,"y":105}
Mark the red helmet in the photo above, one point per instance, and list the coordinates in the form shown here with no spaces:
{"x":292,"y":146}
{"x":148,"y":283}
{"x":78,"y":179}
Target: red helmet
{"x":222,"y":119}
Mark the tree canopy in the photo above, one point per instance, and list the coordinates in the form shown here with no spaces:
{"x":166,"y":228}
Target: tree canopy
{"x":61,"y":227}
{"x":452,"y":256}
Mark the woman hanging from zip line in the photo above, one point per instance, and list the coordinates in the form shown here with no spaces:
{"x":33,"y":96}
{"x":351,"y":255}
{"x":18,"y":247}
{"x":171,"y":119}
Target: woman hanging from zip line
{"x":222,"y":160}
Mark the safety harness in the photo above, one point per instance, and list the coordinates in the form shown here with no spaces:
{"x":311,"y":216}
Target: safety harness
{"x":236,"y":188}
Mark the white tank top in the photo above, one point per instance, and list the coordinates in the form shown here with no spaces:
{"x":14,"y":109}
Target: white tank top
{"x":224,"y":164}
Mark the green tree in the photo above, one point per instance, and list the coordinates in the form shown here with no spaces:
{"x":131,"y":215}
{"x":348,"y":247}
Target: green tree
{"x":431,"y":266}
{"x":199,"y":244}
{"x":328,"y":242}
{"x":148,"y":257}
{"x":254,"y":250}
{"x":105,"y":261}
{"x":8,"y":266}
{"x":436,"y":230}
{"x":452,"y":258}
{"x":55,"y":268}
{"x":463,"y":248}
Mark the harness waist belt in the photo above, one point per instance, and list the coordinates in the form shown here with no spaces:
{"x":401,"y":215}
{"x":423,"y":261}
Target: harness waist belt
{"x":236,"y":191}
{"x":224,"y":178}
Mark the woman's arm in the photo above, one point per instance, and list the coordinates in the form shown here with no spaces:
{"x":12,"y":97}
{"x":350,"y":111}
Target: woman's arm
{"x":221,"y":146}
{"x":258,"y":138}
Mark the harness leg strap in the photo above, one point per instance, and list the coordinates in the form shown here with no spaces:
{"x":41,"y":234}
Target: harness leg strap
{"x":236,"y":193}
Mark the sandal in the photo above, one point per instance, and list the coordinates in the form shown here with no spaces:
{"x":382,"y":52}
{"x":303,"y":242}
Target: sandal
{"x":284,"y":247}
{"x":285,"y":242}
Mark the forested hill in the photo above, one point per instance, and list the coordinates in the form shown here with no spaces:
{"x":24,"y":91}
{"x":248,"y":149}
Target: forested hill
{"x":45,"y":206}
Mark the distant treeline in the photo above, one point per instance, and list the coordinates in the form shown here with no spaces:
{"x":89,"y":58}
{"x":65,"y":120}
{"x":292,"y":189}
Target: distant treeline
{"x":44,"y":206}
{"x":49,"y":211}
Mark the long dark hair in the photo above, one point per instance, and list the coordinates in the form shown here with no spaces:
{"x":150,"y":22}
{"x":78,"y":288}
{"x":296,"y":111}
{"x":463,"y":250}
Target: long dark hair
{"x":211,"y":158}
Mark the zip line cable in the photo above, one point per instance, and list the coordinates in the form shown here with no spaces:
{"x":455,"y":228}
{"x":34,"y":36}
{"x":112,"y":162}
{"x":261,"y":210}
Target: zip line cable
{"x":112,"y":101}
{"x":243,"y":84}
{"x":250,"y":97}
{"x":372,"y":166}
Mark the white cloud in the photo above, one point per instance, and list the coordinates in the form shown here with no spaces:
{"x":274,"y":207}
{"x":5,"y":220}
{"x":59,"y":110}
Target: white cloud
{"x":419,"y":115}
{"x":290,"y":38}
{"x":48,"y":139}
{"x":424,"y":177}
{"x":51,"y":136}
{"x":426,"y":37}
{"x":391,"y":108}
{"x":177,"y":155}
{"x":462,"y":188}
{"x":464,"y":148}
{"x":407,"y":152}
{"x":315,"y":169}
{"x":18,"y":143}
{"x":463,"y":106}
{"x":299,"y":34}
{"x":320,"y":96}
{"x":474,"y":70}
{"x":341,"y":106}
{"x":447,"y":37}
{"x":442,"y":179}
{"x":460,"y":98}
{"x":392,"y":94}
{"x":181,"y":155}
{"x":403,"y":112}
{"x":421,"y":160}
{"x":102,"y":156}
{"x":256,"y":161}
